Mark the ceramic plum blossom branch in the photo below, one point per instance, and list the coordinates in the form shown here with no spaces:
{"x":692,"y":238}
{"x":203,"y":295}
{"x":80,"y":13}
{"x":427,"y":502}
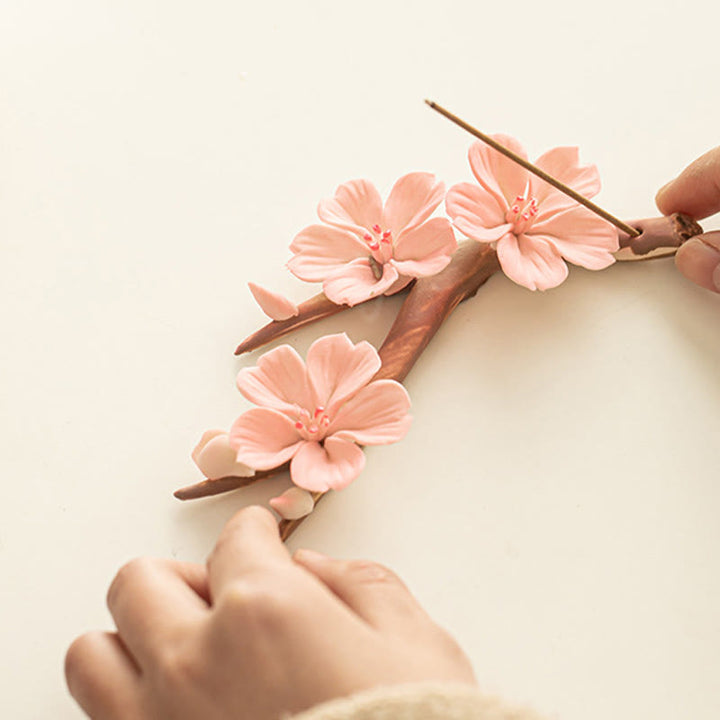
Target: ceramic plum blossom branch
{"x":518,"y":224}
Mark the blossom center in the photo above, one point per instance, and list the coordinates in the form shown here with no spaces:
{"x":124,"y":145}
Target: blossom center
{"x":312,"y":425}
{"x":380,"y":244}
{"x":521,"y":213}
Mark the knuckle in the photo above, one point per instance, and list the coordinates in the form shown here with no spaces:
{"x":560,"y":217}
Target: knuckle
{"x":176,"y":668}
{"x":130,"y":573}
{"x":257,"y":604}
{"x":78,"y":658}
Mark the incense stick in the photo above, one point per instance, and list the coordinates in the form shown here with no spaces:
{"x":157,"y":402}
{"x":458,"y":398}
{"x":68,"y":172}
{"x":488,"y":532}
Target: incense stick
{"x":633,"y":232}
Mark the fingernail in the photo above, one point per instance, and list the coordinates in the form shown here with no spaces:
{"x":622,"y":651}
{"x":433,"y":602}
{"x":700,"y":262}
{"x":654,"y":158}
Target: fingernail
{"x":310,"y":556}
{"x":699,"y":262}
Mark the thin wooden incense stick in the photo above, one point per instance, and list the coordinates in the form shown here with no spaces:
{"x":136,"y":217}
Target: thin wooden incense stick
{"x":631,"y":231}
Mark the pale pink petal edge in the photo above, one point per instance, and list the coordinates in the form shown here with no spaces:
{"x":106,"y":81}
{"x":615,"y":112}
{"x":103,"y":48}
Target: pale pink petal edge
{"x":275,"y":306}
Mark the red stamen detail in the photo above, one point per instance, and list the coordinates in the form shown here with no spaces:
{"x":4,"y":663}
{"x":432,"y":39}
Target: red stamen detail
{"x":376,"y":228}
{"x":525,"y":216}
{"x":367,"y":237}
{"x":319,"y":410}
{"x":298,"y":425}
{"x":373,"y":245}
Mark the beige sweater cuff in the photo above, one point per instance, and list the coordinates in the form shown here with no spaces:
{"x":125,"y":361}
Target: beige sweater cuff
{"x":417,"y":702}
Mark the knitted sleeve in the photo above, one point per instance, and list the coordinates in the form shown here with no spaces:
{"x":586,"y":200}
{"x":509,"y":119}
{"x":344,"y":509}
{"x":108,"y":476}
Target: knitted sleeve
{"x":417,"y":702}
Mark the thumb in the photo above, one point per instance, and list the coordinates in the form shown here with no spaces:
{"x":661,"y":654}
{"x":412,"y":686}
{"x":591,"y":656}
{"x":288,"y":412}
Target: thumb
{"x":699,"y":260}
{"x":372,"y":591}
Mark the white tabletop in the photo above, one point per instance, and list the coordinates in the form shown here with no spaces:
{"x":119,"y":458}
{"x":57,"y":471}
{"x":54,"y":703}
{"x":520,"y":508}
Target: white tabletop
{"x":556,"y":501}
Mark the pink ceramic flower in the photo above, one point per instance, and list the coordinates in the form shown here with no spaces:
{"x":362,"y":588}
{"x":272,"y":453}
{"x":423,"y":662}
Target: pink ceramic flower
{"x":315,"y":414}
{"x":536,"y":227}
{"x":366,"y":249}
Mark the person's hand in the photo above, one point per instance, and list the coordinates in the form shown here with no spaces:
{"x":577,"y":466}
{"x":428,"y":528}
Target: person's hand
{"x":696,"y":192}
{"x":254,"y":634}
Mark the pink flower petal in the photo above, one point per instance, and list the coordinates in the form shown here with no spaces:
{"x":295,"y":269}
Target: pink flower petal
{"x":553,"y":206}
{"x":411,"y":201}
{"x":582,"y":255}
{"x":274,"y":305}
{"x":321,"y":250}
{"x":216,"y":458}
{"x":425,"y":250}
{"x":581,"y":237}
{"x":278,"y":381}
{"x":500,"y":176}
{"x":357,"y":206}
{"x":419,"y":268}
{"x":355,"y":282}
{"x":264,"y":438}
{"x":377,"y":415}
{"x":476,"y":212}
{"x":332,"y":467}
{"x":337,"y":368}
{"x":293,"y":503}
{"x":533,"y":263}
{"x":563,"y":163}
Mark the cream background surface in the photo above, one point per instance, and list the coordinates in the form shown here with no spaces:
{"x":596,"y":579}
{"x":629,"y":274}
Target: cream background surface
{"x":556,"y":501}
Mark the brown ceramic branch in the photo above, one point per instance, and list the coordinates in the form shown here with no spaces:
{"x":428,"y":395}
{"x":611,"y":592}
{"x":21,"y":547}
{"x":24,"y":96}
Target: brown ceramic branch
{"x":316,"y":308}
{"x":426,"y":307}
{"x":429,"y":302}
{"x":222,"y":485}
{"x":659,"y":233}
{"x":655,"y":234}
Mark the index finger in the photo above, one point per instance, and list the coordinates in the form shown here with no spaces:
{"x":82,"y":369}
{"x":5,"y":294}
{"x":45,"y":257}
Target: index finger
{"x":249,"y":543}
{"x":696,"y":191}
